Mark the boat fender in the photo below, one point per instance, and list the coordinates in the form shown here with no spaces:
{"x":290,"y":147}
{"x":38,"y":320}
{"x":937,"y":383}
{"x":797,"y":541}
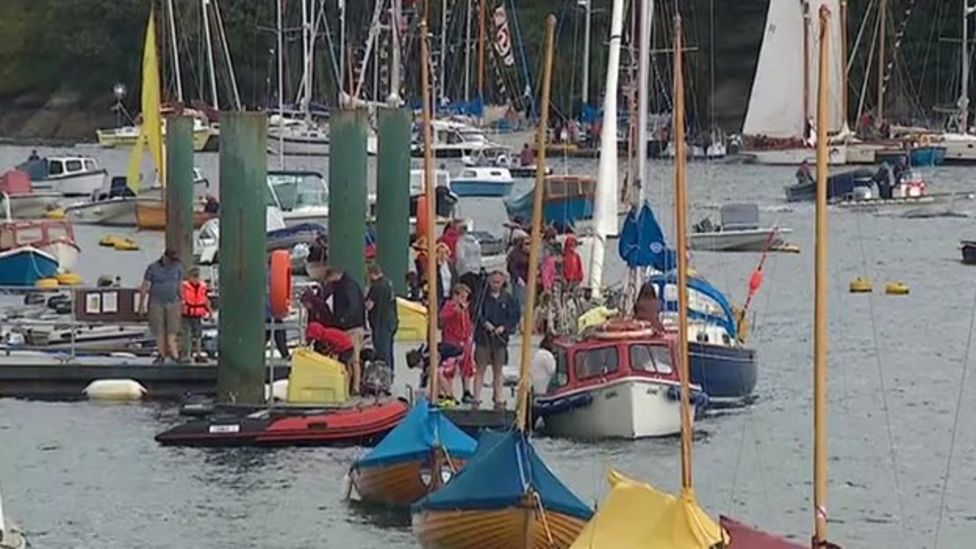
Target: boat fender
{"x":46,"y":284}
{"x":699,"y":399}
{"x":280,"y":295}
{"x":896,"y":288}
{"x":115,"y":389}
{"x":542,"y":409}
{"x":69,"y":278}
{"x":860,"y":285}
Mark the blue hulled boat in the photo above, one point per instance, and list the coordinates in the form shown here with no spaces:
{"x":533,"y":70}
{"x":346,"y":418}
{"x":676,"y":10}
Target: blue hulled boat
{"x":483,"y":182}
{"x":567,"y":199}
{"x":25,"y":265}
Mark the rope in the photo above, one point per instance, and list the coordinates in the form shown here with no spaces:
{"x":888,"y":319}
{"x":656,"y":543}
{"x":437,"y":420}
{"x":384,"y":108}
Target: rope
{"x":542,"y":515}
{"x":955,"y":424}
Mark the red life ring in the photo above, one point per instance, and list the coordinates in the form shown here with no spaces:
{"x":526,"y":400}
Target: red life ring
{"x":280,"y":283}
{"x":624,"y":328}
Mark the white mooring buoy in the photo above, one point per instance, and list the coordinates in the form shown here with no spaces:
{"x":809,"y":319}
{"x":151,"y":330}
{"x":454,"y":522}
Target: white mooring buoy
{"x":115,"y":389}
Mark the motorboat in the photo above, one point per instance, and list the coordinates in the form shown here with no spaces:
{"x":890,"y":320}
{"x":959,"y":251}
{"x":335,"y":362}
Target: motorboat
{"x":838,"y":185}
{"x":151,"y":214}
{"x":302,"y":196}
{"x":20,"y":198}
{"x":54,"y":239}
{"x":738,"y":231}
{"x":453,"y":140}
{"x":25,"y":265}
{"x":116,"y":206}
{"x":482,"y":182}
{"x":206,"y":243}
{"x":299,"y":137}
{"x":615,"y":384}
{"x":911,"y":194}
{"x":67,"y":175}
{"x":125,"y":136}
{"x":960,"y":148}
{"x":566,"y":200}
{"x":501,"y":158}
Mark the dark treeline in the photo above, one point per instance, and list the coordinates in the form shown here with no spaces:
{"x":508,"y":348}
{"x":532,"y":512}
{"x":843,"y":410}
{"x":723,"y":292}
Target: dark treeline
{"x":83,"y":47}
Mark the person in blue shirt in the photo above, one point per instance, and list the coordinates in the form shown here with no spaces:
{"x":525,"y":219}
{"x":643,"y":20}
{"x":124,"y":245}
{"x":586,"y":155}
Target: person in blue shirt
{"x":496,"y":318}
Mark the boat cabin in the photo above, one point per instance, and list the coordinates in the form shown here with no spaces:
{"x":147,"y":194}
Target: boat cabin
{"x":35,"y":232}
{"x":297,"y":190}
{"x":59,"y":167}
{"x":442,"y":177}
{"x":488,"y":174}
{"x":581,"y":363}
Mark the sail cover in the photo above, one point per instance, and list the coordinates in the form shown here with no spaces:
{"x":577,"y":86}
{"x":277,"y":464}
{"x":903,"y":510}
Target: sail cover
{"x":642,"y":242}
{"x":635,"y":514}
{"x":746,"y":537}
{"x":415,"y":436}
{"x":503,"y":469}
{"x":776,"y":105}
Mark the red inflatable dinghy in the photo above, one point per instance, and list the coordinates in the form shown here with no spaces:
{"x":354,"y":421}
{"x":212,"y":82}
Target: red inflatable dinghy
{"x":361,"y":425}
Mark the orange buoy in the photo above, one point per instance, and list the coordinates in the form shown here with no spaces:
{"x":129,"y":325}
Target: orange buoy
{"x":422,"y":220}
{"x":280,"y":274}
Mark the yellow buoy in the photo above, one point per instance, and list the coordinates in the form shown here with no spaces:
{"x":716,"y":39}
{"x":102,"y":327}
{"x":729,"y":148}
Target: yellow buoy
{"x":125,"y":245}
{"x":46,"y":284}
{"x":861,"y":285}
{"x":896,"y":288}
{"x":69,"y":278}
{"x":56,"y":214}
{"x":109,"y":240}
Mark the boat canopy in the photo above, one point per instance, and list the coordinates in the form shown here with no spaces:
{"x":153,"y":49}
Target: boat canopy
{"x":700,"y":285}
{"x":635,"y":514}
{"x":423,"y":428}
{"x":746,"y":537}
{"x":642,"y":241}
{"x":502,"y":471}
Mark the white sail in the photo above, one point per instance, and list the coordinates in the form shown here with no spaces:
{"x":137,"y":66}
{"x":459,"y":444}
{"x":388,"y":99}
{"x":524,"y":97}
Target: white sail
{"x":605,"y":202}
{"x":776,"y":105}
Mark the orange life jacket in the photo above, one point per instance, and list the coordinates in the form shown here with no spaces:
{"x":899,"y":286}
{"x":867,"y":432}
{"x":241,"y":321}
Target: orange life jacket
{"x":195,"y":301}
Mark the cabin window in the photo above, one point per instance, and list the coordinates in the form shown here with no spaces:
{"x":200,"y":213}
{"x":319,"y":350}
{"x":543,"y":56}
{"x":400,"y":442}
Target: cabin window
{"x":73,"y":165}
{"x":469,"y":174}
{"x":650,"y":358}
{"x":55,"y":167}
{"x":454,"y":138}
{"x":561,"y":376}
{"x":596,"y":362}
{"x":90,"y":165}
{"x":496,"y":173}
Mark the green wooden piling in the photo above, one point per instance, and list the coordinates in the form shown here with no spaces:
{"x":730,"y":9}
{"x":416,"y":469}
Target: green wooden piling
{"x":242,"y":255}
{"x":393,"y":196}
{"x":347,"y":192}
{"x":179,"y":187}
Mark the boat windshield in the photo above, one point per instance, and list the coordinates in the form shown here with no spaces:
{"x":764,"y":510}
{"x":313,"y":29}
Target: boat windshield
{"x":299,"y":190}
{"x":650,"y":358}
{"x":442,"y":177}
{"x":596,"y":362}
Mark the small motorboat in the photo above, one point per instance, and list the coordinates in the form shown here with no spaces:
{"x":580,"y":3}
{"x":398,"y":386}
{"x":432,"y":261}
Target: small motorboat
{"x":482,"y":182}
{"x":362,"y":424}
{"x":116,"y":206}
{"x":126,"y":136}
{"x":619,"y":383}
{"x":53,"y":238}
{"x":501,"y":158}
{"x":567,"y":199}
{"x":302,"y":196}
{"x":910,"y":195}
{"x":739,"y":231}
{"x":25,"y":265}
{"x":207,"y":241}
{"x":151,"y":215}
{"x":452,"y":140}
{"x":23,"y":202}
{"x":838,"y":185}
{"x":67,"y":175}
{"x":292,"y":136}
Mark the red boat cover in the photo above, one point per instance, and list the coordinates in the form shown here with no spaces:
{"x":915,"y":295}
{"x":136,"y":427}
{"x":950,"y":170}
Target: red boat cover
{"x":15,"y":182}
{"x":746,"y":537}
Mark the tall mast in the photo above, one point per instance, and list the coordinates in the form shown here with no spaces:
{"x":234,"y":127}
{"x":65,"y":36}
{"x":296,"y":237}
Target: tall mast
{"x":820,"y":295}
{"x":882,"y":23}
{"x":441,"y":84}
{"x":963,"y":103}
{"x":680,"y":207}
{"x":176,"y":52}
{"x":467,"y":51}
{"x":306,"y":73}
{"x":396,"y":8}
{"x":806,"y":62}
{"x":605,"y":202}
{"x":342,"y":47}
{"x":281,"y":91}
{"x":536,"y":237}
{"x":585,"y":84}
{"x":210,"y":57}
{"x":643,"y":87}
{"x":843,"y":65}
{"x":227,"y":59}
{"x":429,"y":198}
{"x":482,"y":31}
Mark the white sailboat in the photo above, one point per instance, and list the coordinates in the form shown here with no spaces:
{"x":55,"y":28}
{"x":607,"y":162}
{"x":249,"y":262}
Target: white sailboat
{"x":960,"y":144}
{"x":779,"y":127}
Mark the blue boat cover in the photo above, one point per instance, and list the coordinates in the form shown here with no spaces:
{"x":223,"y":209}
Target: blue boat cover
{"x":503,"y":469}
{"x":414,"y":437}
{"x":642,"y":241}
{"x":701,"y":285}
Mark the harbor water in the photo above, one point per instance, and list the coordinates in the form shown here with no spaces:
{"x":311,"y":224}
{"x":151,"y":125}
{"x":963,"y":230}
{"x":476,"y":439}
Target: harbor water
{"x":83,"y":474}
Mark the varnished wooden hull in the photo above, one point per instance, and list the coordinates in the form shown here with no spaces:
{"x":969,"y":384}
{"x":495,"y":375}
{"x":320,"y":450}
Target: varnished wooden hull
{"x":521,"y":527}
{"x":396,"y":485}
{"x":152,"y":216}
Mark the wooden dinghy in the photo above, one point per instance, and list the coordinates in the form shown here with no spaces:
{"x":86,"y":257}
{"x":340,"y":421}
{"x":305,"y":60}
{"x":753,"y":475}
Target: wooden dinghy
{"x":151,"y":216}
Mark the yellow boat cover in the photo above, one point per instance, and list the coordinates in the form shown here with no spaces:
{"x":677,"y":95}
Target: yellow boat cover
{"x":412,"y":318}
{"x":637,"y":516}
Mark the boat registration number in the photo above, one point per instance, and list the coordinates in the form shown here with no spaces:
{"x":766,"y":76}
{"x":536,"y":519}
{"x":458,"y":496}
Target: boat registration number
{"x":224,"y":429}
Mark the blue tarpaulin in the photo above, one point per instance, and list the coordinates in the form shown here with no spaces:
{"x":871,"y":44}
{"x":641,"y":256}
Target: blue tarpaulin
{"x":502,"y":471}
{"x":642,"y":242}
{"x":422,"y":429}
{"x":700,"y":285}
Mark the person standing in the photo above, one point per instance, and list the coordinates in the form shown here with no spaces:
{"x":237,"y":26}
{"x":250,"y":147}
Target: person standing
{"x":349,"y":314}
{"x":159,"y":297}
{"x":468,"y":264}
{"x":517,"y":263}
{"x":646,"y":307}
{"x":382,"y":307}
{"x":196,"y":307}
{"x":458,"y":330}
{"x":496,"y":320}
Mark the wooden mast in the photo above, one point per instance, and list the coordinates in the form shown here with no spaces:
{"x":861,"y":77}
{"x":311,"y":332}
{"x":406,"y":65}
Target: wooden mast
{"x":429,"y":198}
{"x":482,"y":31}
{"x":820,"y":293}
{"x":680,"y":206}
{"x":806,"y":65}
{"x":536,"y":242}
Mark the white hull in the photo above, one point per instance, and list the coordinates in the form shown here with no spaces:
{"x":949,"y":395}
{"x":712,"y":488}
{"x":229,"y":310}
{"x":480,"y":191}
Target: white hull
{"x":65,"y":252}
{"x":862,"y":153}
{"x":73,"y":185}
{"x":751,"y":240}
{"x":629,"y":408}
{"x":796,"y":156}
{"x":115,"y":211}
{"x":33,"y":205}
{"x":959,"y":148}
{"x":318,"y":215}
{"x":310,"y":147}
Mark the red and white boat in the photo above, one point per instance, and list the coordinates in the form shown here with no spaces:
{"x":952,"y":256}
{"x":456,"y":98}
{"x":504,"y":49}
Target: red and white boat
{"x":22,"y":199}
{"x":620,"y":383}
{"x":56,"y":238}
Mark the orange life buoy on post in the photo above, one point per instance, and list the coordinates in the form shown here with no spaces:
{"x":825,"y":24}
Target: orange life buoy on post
{"x":280,"y":292}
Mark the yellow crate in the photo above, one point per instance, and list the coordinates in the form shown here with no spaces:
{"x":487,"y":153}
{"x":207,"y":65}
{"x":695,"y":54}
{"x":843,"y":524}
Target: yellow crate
{"x":316,"y":379}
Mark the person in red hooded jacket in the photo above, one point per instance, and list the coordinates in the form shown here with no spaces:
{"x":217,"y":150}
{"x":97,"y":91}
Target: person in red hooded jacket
{"x":458,"y":330}
{"x":572,"y":263}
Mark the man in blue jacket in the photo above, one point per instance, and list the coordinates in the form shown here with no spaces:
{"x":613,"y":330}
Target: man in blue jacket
{"x":349,"y":314}
{"x":496,"y":319}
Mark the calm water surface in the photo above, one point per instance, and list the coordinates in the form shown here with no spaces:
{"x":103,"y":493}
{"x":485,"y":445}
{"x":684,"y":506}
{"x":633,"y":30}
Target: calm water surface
{"x":89,"y":475}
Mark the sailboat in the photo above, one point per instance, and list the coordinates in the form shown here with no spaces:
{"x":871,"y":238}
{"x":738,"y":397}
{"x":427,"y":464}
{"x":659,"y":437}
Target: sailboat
{"x":635,"y":514}
{"x":743,"y":536}
{"x":506,"y":496}
{"x":960,"y":144}
{"x":778,"y":126}
{"x":426,"y":450}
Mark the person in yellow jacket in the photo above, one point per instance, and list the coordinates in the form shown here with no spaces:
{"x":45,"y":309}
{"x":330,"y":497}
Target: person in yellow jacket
{"x":196,"y":307}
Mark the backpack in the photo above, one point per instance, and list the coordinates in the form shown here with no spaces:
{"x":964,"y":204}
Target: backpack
{"x":377,"y":378}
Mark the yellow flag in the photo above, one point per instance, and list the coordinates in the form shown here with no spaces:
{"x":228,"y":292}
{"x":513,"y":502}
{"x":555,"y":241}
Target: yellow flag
{"x":151,"y":129}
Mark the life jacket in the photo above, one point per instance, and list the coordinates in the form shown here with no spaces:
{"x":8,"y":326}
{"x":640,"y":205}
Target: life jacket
{"x":195,"y":301}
